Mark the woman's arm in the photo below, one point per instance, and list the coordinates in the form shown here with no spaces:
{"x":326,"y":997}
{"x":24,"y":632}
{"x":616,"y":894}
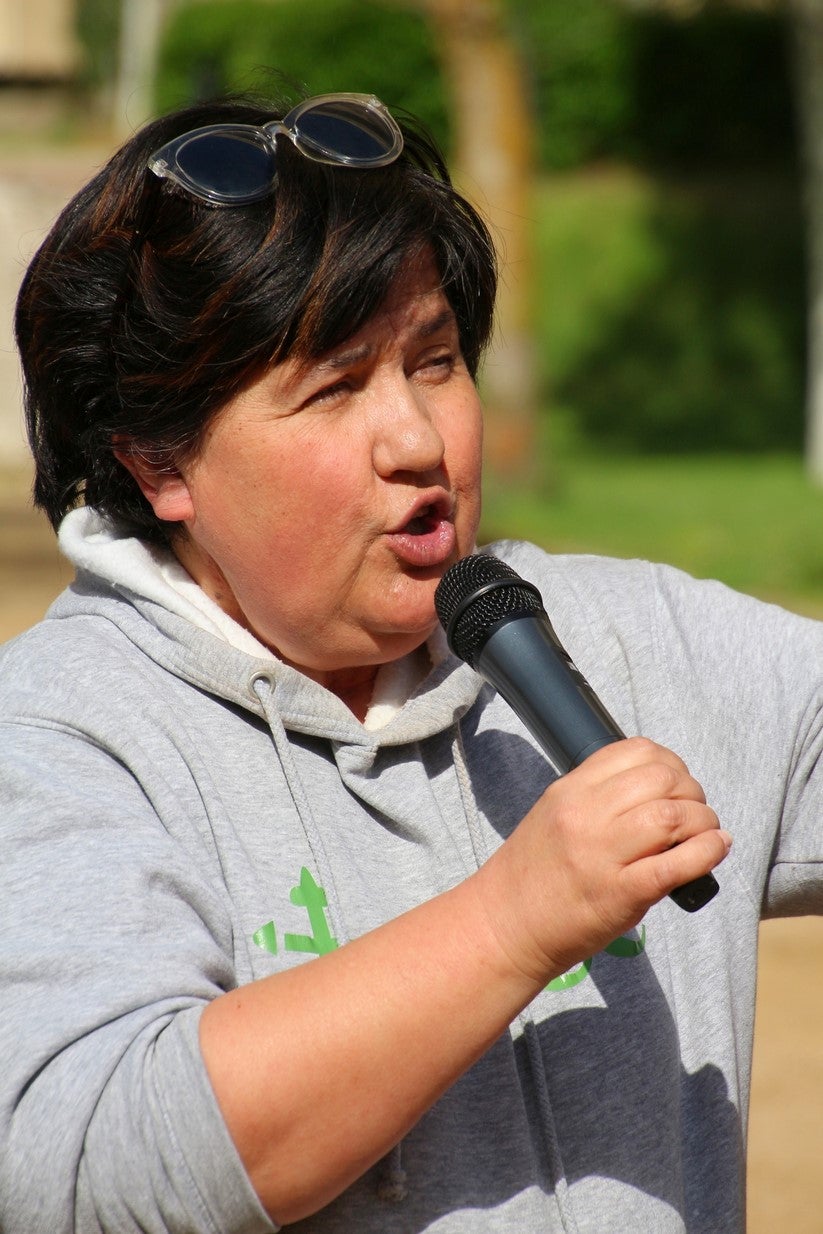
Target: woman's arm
{"x":311,"y":1110}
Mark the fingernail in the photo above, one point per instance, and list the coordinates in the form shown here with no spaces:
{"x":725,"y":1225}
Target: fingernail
{"x":727,"y":839}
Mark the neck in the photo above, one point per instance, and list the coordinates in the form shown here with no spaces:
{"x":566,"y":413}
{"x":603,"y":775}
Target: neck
{"x":354,"y":687}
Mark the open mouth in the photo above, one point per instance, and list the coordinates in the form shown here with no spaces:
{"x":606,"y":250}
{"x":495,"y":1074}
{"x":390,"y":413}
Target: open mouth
{"x":423,"y":522}
{"x":428,"y":538}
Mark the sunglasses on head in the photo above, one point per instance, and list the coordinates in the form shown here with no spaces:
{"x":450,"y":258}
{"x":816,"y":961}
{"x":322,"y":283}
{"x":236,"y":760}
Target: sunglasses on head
{"x":234,"y":164}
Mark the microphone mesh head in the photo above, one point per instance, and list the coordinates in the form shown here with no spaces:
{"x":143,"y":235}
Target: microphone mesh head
{"x":474,"y":595}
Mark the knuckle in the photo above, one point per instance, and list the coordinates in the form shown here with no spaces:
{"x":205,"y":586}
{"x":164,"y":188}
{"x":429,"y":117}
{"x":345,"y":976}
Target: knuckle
{"x":643,"y":747}
{"x":654,"y":781}
{"x":563,"y":809}
{"x":665,"y":779}
{"x":663,"y":821}
{"x":670,"y":816}
{"x":654,"y":754}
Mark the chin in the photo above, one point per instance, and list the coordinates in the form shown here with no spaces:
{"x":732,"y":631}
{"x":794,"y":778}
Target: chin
{"x":416,"y":618}
{"x":398,"y":639}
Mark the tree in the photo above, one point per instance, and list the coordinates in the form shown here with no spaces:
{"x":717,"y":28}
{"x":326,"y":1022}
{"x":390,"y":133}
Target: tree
{"x":492,"y":127}
{"x":141,"y":23}
{"x":807,"y":18}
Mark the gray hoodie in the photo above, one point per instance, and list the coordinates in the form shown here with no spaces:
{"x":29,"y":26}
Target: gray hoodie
{"x":181,"y":813}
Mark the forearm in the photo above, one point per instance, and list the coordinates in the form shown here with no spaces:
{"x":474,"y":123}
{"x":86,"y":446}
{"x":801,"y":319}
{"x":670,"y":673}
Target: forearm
{"x":343,"y":1085}
{"x":310,"y":1110}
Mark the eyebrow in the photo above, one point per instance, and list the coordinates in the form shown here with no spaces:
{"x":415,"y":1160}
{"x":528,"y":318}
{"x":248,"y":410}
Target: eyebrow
{"x":355,"y":355}
{"x":446,"y":318}
{"x":342,"y":359}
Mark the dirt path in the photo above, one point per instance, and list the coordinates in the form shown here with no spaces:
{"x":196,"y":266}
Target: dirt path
{"x":786,"y":1131}
{"x":786,"y":1128}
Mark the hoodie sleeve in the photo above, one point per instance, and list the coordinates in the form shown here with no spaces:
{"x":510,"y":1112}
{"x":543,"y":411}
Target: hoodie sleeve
{"x":113,"y":943}
{"x":732,"y":684}
{"x":747,"y":703}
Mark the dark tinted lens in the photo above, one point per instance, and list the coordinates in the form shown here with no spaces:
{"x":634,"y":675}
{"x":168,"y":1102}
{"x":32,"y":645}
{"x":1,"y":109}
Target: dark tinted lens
{"x":230,"y":165}
{"x":349,"y":133}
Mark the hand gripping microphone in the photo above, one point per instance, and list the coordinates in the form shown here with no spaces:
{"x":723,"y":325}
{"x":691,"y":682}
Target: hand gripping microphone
{"x":495,"y":621}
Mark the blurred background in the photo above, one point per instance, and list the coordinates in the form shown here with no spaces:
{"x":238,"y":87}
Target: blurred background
{"x":653,"y":173}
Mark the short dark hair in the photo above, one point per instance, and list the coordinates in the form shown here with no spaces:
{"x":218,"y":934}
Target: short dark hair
{"x":145,"y":310}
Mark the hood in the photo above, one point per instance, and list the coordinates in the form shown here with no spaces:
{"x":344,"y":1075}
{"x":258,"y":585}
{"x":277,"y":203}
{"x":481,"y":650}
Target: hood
{"x":144,"y":591}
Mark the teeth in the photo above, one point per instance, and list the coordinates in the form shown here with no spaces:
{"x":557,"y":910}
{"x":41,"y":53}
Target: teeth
{"x":421,"y":523}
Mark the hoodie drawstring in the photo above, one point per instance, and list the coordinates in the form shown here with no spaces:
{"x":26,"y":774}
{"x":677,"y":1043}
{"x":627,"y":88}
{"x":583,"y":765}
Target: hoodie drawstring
{"x":534,"y":1053}
{"x":392,"y":1185}
{"x":259,"y":684}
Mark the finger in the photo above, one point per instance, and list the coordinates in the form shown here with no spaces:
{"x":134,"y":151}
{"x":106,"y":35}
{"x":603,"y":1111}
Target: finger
{"x":657,"y":826}
{"x":661,"y":786}
{"x":656,"y":876}
{"x":639,"y":795}
{"x":628,"y":753}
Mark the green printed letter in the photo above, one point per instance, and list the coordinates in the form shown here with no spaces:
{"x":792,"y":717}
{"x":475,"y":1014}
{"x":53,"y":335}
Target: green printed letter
{"x":627,"y":948}
{"x":307,"y":894}
{"x":266,"y":937}
{"x":572,"y":978}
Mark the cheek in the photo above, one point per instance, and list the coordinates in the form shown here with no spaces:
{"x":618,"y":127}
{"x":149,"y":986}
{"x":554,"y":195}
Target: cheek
{"x":464,"y":446}
{"x":330,"y":495}
{"x":318,"y":527}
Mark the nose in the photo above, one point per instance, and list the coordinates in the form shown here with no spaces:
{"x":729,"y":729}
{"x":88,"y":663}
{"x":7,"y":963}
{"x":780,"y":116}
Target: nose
{"x":406,"y":436}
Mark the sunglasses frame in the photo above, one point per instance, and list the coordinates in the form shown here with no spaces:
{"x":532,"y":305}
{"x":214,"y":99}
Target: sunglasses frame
{"x":165,"y":163}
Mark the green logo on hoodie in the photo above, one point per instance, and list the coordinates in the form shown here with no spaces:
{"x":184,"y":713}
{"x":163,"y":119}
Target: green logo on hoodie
{"x":625,"y":948}
{"x":310,"y":895}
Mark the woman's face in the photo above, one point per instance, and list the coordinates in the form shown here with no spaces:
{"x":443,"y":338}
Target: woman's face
{"x":327,"y":501}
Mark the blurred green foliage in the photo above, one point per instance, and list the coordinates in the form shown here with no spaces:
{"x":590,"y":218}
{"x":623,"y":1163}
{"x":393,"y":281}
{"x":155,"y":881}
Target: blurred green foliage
{"x":294,"y":47}
{"x":606,"y":80}
{"x":670,"y":307}
{"x":579,"y":59}
{"x":98,"y":30}
{"x":610,"y":81}
{"x":713,"y":90}
{"x":671,"y":312}
{"x":752,"y":522}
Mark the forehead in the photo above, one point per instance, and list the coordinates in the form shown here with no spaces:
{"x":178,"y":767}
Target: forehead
{"x":415,"y":308}
{"x":416,"y":304}
{"x":417,"y":282}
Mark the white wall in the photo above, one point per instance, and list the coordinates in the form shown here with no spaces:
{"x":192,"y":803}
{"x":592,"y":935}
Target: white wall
{"x":34,"y":186}
{"x":37,"y":38}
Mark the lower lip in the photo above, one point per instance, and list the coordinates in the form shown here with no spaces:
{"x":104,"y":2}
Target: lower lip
{"x":431,"y":548}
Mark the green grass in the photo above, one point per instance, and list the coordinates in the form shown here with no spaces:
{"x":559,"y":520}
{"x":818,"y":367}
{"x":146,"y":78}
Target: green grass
{"x":675,"y":306}
{"x":670,"y":312}
{"x":754,"y":522}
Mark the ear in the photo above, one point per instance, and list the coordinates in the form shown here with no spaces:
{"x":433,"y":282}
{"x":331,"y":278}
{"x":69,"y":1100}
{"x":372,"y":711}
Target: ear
{"x":162,"y":485}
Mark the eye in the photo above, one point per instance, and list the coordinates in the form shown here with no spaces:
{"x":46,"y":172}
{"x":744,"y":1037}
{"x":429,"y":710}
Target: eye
{"x":437,"y":365}
{"x":328,"y":394}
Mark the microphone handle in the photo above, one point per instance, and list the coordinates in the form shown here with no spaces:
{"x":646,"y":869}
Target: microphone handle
{"x":529,"y":667}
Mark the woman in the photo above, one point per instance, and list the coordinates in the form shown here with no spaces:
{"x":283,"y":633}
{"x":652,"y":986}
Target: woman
{"x":300,"y":926}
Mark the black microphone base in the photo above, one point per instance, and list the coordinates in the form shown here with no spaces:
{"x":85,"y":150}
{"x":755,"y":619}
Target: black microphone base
{"x":692,"y":896}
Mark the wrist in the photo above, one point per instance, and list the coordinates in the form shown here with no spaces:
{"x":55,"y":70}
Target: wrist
{"x":500,"y":907}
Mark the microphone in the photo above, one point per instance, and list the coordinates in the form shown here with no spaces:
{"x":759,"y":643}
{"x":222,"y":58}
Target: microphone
{"x":496,"y":622}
